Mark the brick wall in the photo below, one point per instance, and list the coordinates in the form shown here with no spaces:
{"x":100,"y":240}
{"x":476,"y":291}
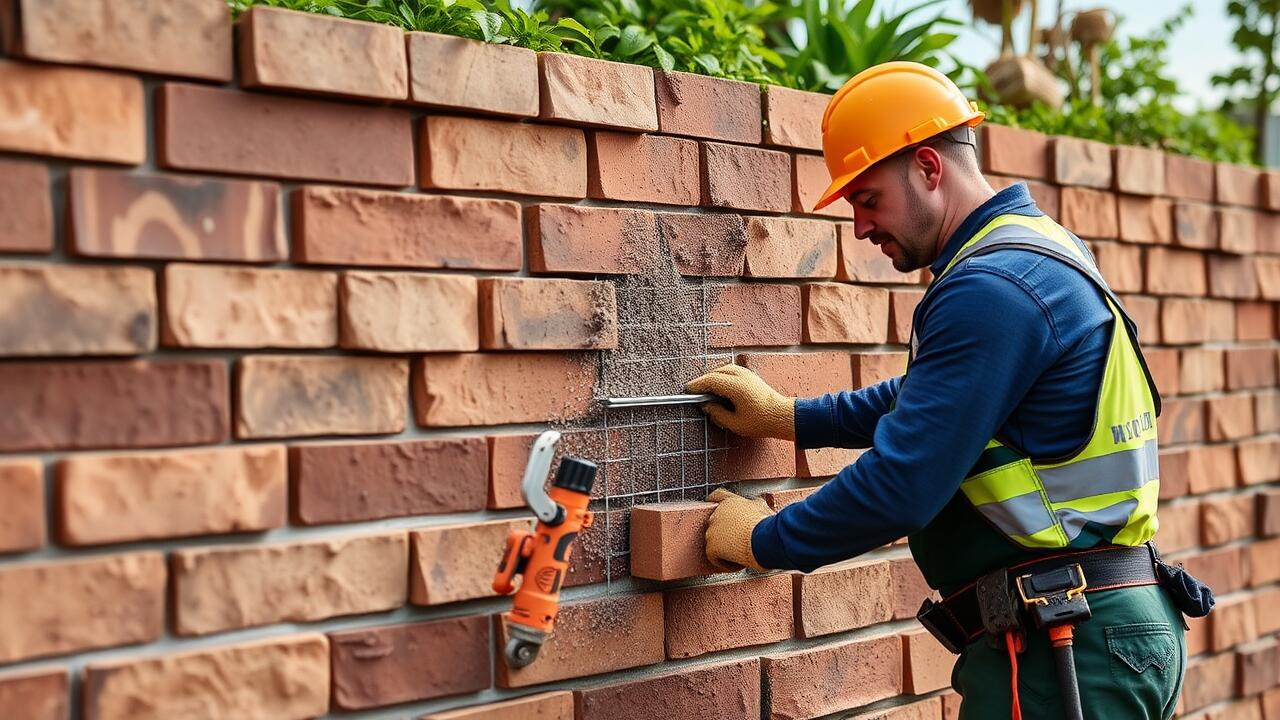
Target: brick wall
{"x":283,"y":302}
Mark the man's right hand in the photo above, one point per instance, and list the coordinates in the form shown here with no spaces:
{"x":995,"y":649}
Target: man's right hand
{"x":758,"y":410}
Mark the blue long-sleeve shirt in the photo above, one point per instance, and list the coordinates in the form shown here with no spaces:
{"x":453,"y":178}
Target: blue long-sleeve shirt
{"x":1011,"y":343}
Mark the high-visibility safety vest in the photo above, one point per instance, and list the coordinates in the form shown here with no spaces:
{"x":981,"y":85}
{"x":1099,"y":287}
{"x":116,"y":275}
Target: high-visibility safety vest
{"x":1110,"y":484}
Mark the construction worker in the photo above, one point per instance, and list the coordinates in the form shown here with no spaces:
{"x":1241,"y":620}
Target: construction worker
{"x":1017,"y":454}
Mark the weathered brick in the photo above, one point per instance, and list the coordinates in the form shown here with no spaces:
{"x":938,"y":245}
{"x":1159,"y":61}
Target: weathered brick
{"x":1208,"y":680}
{"x":722,"y":616}
{"x":1238,"y":184}
{"x":1139,"y":170}
{"x":1212,"y":467}
{"x":909,"y":588}
{"x":755,"y":314}
{"x":702,"y":244}
{"x":592,"y":637}
{"x":153,"y":404}
{"x":790,"y":248}
{"x":756,"y":459}
{"x":872,"y":368}
{"x":1259,"y":460}
{"x":902,"y":307}
{"x":817,"y":681}
{"x":1080,"y":162}
{"x":1176,"y":272}
{"x":727,"y":691}
{"x":415,"y":661}
{"x":667,"y":540}
{"x":1224,"y":570}
{"x":1223,"y":519}
{"x":837,"y":313}
{"x":1237,"y":231}
{"x":302,"y":51}
{"x":22,"y":525}
{"x":843,"y":597}
{"x":1232,"y":623}
{"x":114,"y":213}
{"x":1014,"y":151}
{"x":778,"y":499}
{"x":862,"y":261}
{"x":284,"y":678}
{"x":1145,"y":219}
{"x":599,"y":93}
{"x":556,"y":705}
{"x":219,"y":130}
{"x":509,"y":453}
{"x":600,"y":551}
{"x":37,"y":694}
{"x":76,"y":310}
{"x":455,"y":72}
{"x":706,"y":107}
{"x":26,"y":210}
{"x":793,"y":118}
{"x":184,"y":37}
{"x":801,"y":374}
{"x":1251,"y":368}
{"x":745,"y":178}
{"x":289,"y":396}
{"x":589,"y":240}
{"x":472,"y":154}
{"x":926,"y":663}
{"x":643,"y":168}
{"x":84,"y":114}
{"x":1256,"y":321}
{"x":347,"y":482}
{"x":1202,"y":370}
{"x":1047,"y":196}
{"x":235,"y":586}
{"x":1121,"y":265}
{"x":1188,"y":178}
{"x":455,"y":562}
{"x":1229,"y":417}
{"x":519,"y":387}
{"x":216,"y":306}
{"x":1090,"y":213}
{"x":1195,"y":225}
{"x":809,"y":179}
{"x":1263,"y":561}
{"x":1165,"y":369}
{"x":1268,"y":269}
{"x":137,"y":496}
{"x":1181,"y":421}
{"x":1179,"y":527}
{"x":1258,"y":666}
{"x":529,"y":314}
{"x":408,"y":312}
{"x":57,"y":607}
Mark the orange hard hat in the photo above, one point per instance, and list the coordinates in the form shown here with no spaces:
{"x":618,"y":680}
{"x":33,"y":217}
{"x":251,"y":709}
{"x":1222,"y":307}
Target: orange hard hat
{"x":882,"y":110}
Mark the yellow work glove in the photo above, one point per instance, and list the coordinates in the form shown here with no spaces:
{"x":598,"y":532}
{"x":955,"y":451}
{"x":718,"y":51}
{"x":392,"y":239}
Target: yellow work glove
{"x":729,"y":530}
{"x":758,"y":410}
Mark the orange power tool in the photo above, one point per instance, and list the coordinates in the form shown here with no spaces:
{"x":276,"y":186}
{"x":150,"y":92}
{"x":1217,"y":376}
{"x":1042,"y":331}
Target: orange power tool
{"x":542,"y":556}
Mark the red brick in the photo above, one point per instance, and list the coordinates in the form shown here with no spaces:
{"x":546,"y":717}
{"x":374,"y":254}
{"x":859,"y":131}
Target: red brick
{"x":236,"y":586}
{"x":1268,"y":231}
{"x":473,"y":154}
{"x":592,"y":637}
{"x":1090,"y":213}
{"x":283,"y":677}
{"x":1264,"y":562}
{"x":836,"y":313}
{"x":793,"y":118}
{"x":1259,"y":666}
{"x":926,"y":664}
{"x":723,"y":616}
{"x":1197,"y":636}
{"x":1080,"y":162}
{"x":1268,"y":269}
{"x":220,"y":130}
{"x":1223,"y":519}
{"x":801,"y":374}
{"x":1145,"y":312}
{"x":668,"y":540}
{"x":1271,"y":190}
{"x":77,"y":310}
{"x":1202,"y":370}
{"x":408,"y":312}
{"x":519,"y":387}
{"x":1209,"y":680}
{"x":508,"y":455}
{"x":1014,"y":151}
{"x":1165,"y":371}
{"x":1266,"y":607}
{"x":1181,"y":421}
{"x":589,"y":240}
{"x":1175,"y":473}
{"x":185,"y":37}
{"x":456,"y":562}
{"x":216,"y":306}
{"x":1189,"y":178}
{"x":812,"y":682}
{"x":706,"y":107}
{"x":909,"y":588}
{"x":402,"y":663}
{"x":37,"y":694}
{"x":1212,"y":467}
{"x":1256,"y":321}
{"x":587,"y":91}
{"x":1145,"y":219}
{"x":1046,"y":196}
{"x":902,"y":306}
{"x":1269,"y":514}
{"x":1120,"y":264}
{"x":755,"y":314}
{"x":294,"y":396}
{"x":84,"y":114}
{"x":1179,"y":527}
{"x":1195,"y":225}
{"x":543,"y":706}
{"x":951,"y":706}
{"x":726,"y":691}
{"x":823,"y":462}
{"x":153,"y":404}
{"x":1139,"y":170}
{"x":930,"y":709}
{"x":745,"y":178}
{"x":757,"y":459}
{"x":872,"y":368}
{"x":601,"y":551}
{"x":529,"y":314}
{"x":790,"y":248}
{"x":778,"y":499}
{"x":1183,"y":321}
{"x":114,"y":213}
{"x":1224,"y":570}
{"x":1267,"y":405}
{"x":347,"y":226}
{"x":70,"y":614}
{"x":843,"y":597}
{"x":1238,"y":184}
{"x":348,"y":482}
{"x":1251,"y":368}
{"x":701,"y":244}
{"x":26,"y":211}
{"x":643,"y":168}
{"x":1229,"y":417}
{"x":1232,"y":623}
{"x":22,"y":525}
{"x":455,"y":72}
{"x":1237,"y":230}
{"x":861,"y":261}
{"x":810,"y":179}
{"x":1232,"y":276}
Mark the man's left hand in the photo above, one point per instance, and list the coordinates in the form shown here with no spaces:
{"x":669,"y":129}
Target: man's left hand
{"x":729,"y":530}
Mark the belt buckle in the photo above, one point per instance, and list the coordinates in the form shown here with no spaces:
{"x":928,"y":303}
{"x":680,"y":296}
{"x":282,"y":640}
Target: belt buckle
{"x":1055,"y":597}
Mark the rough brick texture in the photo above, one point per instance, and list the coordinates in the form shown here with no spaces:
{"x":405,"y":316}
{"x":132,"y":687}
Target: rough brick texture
{"x":400,"y":663}
{"x":409,"y":312}
{"x":498,"y":388}
{"x":26,"y":212}
{"x":39,"y":694}
{"x":839,"y":313}
{"x":571,"y":239}
{"x":730,"y":691}
{"x":810,"y":683}
{"x":85,"y":114}
{"x":667,"y":540}
{"x":601,"y":93}
{"x":788,"y":248}
{"x":283,"y":396}
{"x":468,"y":154}
{"x":520,"y":314}
{"x":793,"y":118}
{"x":643,"y":168}
{"x":722,"y":616}
{"x":472,"y":75}
{"x":745,"y":178}
{"x":22,"y":524}
{"x":456,"y":562}
{"x":843,"y":597}
{"x":543,"y":706}
{"x":755,"y":314}
{"x":227,"y":306}
{"x":1014,"y":151}
{"x":87,"y":310}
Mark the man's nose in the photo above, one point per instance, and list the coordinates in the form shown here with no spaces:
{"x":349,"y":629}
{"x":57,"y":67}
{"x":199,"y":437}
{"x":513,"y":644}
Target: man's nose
{"x":862,"y":228}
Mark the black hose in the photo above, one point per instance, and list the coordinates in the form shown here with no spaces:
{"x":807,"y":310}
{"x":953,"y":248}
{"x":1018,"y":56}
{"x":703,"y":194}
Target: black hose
{"x":1064,"y":658}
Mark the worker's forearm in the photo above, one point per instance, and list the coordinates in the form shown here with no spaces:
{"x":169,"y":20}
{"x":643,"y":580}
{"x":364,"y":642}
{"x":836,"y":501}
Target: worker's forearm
{"x":845,"y":419}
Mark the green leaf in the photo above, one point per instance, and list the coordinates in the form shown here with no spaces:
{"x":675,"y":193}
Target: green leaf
{"x":633,"y":40}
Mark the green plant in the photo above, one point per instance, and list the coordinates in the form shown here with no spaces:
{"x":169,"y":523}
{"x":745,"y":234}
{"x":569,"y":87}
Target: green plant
{"x":1257,"y":31}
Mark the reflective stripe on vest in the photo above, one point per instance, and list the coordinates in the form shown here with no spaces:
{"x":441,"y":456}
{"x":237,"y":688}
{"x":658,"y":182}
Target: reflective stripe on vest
{"x":1112,"y":481}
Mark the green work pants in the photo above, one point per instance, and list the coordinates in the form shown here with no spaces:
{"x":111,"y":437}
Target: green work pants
{"x":1130,"y":660}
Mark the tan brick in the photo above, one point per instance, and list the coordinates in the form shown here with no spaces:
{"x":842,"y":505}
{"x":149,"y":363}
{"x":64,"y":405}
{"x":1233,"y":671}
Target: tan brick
{"x":790,"y":248}
{"x":726,"y":691}
{"x":926,"y":664}
{"x":456,"y":562}
{"x":909,"y":588}
{"x":1266,"y":609}
{"x":1269,"y":513}
{"x":801,"y":374}
{"x":418,"y":661}
{"x":1256,"y":321}
{"x":872,"y":368}
{"x":902,"y":307}
{"x":1268,"y":269}
{"x":152,"y":404}
{"x":1145,"y":219}
{"x":1224,"y":519}
{"x":138,"y":496}
{"x":1189,"y":178}
{"x":528,"y":314}
{"x":38,"y":694}
{"x":1212,"y":467}
{"x":457,"y":72}
{"x":1209,"y":680}
{"x":1014,"y":151}
{"x":1080,"y":162}
{"x":472,"y":154}
{"x":599,"y":93}
{"x":1232,"y":623}
{"x":114,"y":213}
{"x":290,"y":50}
{"x":1195,"y":225}
{"x":778,"y":499}
{"x":745,"y":178}
{"x":284,"y":678}
{"x":81,"y":310}
{"x":26,"y":210}
{"x":84,"y":114}
{"x":1184,"y":321}
{"x":1229,"y":417}
{"x":793,"y":118}
{"x":630,"y":636}
{"x":235,"y":586}
{"x":837,"y":313}
{"x":1259,"y":460}
{"x":643,"y":168}
{"x":569,"y":239}
{"x":1237,"y":230}
{"x":1121,"y":265}
{"x":706,"y":107}
{"x":1225,"y":570}
{"x":704,"y":244}
{"x":1259,"y":667}
{"x":57,"y":607}
{"x":930,"y":709}
{"x":1176,"y":272}
{"x":1145,"y":312}
{"x":667,"y":540}
{"x":1090,"y":213}
{"x":1267,"y":408}
{"x":227,"y":306}
{"x":817,"y":681}
{"x":519,"y":387}
{"x":1202,"y":370}
{"x":862,"y":261}
{"x":183,"y":37}
{"x":1232,"y":276}
{"x":755,"y":314}
{"x":1139,"y":170}
{"x":556,"y":705}
{"x":286,"y":396}
{"x":1179,"y":527}
{"x":1263,"y":561}
{"x":1251,"y":368}
{"x":1181,"y":421}
{"x":1165,"y":370}
{"x":22,"y":525}
{"x":409,"y":312}
{"x":1238,"y":184}
{"x":842,"y":597}
{"x":809,"y":179}
{"x":722,"y":616}
{"x":221,"y":130}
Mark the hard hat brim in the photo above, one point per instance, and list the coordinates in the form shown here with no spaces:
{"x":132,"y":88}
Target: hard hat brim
{"x":834,"y":191}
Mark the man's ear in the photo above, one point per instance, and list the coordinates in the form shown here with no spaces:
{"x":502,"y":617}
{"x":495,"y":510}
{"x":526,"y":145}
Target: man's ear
{"x":929,"y":163}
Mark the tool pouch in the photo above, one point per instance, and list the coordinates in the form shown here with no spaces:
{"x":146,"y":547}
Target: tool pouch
{"x":998,"y":606}
{"x":1192,"y":597}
